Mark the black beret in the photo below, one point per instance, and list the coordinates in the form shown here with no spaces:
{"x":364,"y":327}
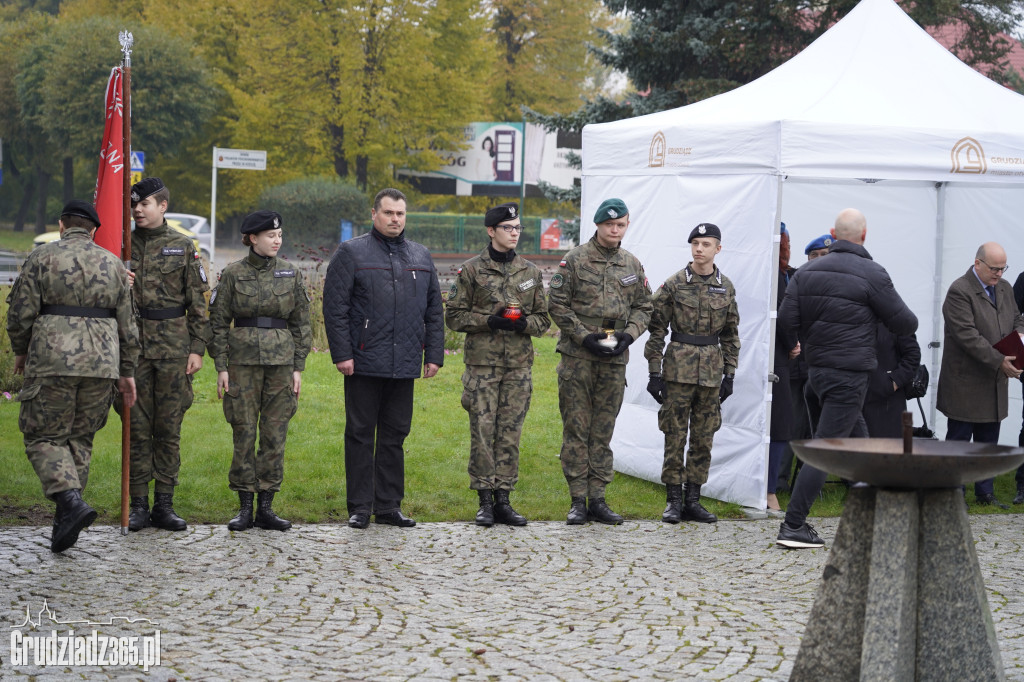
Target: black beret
{"x":259,"y":221}
{"x":500,"y":214}
{"x":705,"y":230}
{"x":146,"y":187}
{"x":80,"y":208}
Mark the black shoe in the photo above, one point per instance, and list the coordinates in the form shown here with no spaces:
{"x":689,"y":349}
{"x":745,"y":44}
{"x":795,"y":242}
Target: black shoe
{"x":265,"y":516}
{"x":803,"y":537}
{"x":485,"y":515}
{"x":599,"y":510}
{"x":72,"y":515}
{"x":985,"y":500}
{"x":503,"y":511}
{"x":577,"y":512}
{"x":163,"y":515}
{"x":692,"y":509}
{"x":243,"y":520}
{"x":674,"y":509}
{"x":395,"y":518}
{"x":359,"y":520}
{"x":1020,"y":495}
{"x":138,"y":515}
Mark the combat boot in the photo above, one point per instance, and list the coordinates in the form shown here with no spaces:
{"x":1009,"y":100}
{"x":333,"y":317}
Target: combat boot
{"x":485,"y":515}
{"x":577,"y":512}
{"x":72,"y":515}
{"x":243,"y":520}
{"x":503,"y":511}
{"x":602,"y":513}
{"x":163,"y":515}
{"x":138,"y":517}
{"x":265,"y":516}
{"x":674,"y":509}
{"x":692,"y":509}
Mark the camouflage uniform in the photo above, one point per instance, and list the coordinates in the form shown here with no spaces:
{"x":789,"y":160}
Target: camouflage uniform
{"x":170,"y":282}
{"x":693,"y":373}
{"x":72,"y":360}
{"x":260,"y":361}
{"x":593,"y":285}
{"x":497,"y":382}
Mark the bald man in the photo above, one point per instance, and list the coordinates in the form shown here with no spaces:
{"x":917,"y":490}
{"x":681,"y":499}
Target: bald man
{"x":832,"y":307}
{"x":979,"y":310}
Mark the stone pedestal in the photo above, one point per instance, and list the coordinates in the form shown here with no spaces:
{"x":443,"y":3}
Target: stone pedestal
{"x":901,"y":596}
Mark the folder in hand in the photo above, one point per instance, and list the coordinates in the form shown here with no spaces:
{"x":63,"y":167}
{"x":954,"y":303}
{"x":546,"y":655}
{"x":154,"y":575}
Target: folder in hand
{"x":1011,"y":345}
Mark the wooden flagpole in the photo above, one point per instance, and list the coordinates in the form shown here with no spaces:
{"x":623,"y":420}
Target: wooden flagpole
{"x":127,"y":41}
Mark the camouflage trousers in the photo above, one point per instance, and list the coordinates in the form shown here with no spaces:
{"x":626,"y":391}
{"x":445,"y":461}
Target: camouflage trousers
{"x":59,"y":417}
{"x":697,"y":409}
{"x":589,"y":398}
{"x":260,"y":396}
{"x":497,"y":399}
{"x":164,"y":394}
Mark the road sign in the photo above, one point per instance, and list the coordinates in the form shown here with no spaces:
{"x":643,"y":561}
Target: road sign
{"x":138,"y":161}
{"x":246,"y":159}
{"x":136,"y":176}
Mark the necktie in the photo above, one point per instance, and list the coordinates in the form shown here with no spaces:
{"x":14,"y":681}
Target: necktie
{"x":991,"y":293}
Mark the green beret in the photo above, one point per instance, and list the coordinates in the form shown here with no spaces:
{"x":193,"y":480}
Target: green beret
{"x":610,"y":209}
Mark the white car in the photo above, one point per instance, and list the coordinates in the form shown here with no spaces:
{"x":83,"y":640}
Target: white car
{"x":196,"y":224}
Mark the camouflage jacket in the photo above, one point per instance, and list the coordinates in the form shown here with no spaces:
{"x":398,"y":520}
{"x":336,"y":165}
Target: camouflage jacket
{"x":73,"y":272}
{"x":692,"y":305}
{"x":169,"y":274}
{"x":594,"y":285}
{"x":483,"y":288}
{"x":260,"y":287}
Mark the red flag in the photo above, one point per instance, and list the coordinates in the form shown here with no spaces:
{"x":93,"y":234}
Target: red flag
{"x":109,"y":197}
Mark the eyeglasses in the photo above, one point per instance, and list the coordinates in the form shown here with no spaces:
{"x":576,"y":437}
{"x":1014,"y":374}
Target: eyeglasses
{"x":511,"y":228}
{"x":997,"y":270}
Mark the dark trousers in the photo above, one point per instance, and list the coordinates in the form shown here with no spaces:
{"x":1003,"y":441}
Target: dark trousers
{"x":1020,"y":442}
{"x":836,"y":413}
{"x":378,"y":416}
{"x":775,"y":451}
{"x":981,"y":433}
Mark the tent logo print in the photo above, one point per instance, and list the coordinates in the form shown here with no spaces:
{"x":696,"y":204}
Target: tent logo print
{"x":968,"y":157}
{"x":656,"y":158}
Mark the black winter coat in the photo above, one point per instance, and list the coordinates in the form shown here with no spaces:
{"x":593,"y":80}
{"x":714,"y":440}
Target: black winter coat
{"x":382,"y":307}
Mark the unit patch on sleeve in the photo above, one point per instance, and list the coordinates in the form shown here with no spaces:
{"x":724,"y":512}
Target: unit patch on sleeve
{"x":556,"y":280}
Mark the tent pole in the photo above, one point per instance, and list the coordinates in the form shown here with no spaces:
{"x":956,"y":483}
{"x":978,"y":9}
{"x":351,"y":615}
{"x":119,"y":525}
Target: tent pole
{"x":935,"y":343}
{"x":773,"y":318}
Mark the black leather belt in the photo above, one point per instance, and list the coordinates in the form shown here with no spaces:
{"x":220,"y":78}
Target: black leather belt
{"x":162,"y":313}
{"x":77,"y":311}
{"x":679,"y":337}
{"x":261,"y":322}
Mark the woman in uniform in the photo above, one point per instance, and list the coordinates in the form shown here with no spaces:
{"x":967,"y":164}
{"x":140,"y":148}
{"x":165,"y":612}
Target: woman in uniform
{"x":259,"y":313}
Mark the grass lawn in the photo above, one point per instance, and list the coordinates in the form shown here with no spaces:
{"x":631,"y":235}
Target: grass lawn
{"x":437,"y":485}
{"x":20,"y":242}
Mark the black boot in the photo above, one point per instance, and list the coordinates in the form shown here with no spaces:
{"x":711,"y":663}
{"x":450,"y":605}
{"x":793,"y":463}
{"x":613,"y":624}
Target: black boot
{"x":138,"y":516}
{"x":485,"y":515}
{"x":163,"y":515}
{"x":72,"y":515}
{"x":265,"y":516}
{"x":577,"y":512}
{"x":503,"y":511}
{"x":1019,"y":499}
{"x":243,"y":520}
{"x":692,"y":510}
{"x":602,"y":513}
{"x":674,"y":509}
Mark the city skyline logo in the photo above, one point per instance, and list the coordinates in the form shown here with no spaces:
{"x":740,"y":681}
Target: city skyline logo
{"x":968,"y":157}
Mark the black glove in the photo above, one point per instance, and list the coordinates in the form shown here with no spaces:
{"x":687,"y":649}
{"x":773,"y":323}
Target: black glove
{"x":590,"y":342}
{"x":726,"y":388}
{"x":656,"y":387}
{"x":519,"y":325}
{"x":499,"y":322}
{"x":623,"y":340}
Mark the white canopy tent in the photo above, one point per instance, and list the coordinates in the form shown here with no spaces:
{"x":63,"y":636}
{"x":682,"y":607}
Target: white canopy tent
{"x":875,"y":115}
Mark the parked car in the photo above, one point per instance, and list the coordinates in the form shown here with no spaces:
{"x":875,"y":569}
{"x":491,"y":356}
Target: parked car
{"x":10,"y":266}
{"x":47,"y":237}
{"x":198,"y":225}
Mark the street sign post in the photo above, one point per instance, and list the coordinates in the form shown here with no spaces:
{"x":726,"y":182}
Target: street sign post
{"x":239,"y":159}
{"x":138,"y":165}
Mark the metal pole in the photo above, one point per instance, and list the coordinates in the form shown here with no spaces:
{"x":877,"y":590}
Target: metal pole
{"x":127,"y":41}
{"x":213,"y":212}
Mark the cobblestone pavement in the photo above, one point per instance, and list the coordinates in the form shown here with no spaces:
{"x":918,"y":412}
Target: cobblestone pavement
{"x":641,"y":601}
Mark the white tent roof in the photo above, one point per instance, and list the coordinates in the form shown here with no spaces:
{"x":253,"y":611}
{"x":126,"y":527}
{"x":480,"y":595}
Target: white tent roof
{"x":875,"y":94}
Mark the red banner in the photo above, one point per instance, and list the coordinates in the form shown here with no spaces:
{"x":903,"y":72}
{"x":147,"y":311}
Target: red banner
{"x":109,"y":197}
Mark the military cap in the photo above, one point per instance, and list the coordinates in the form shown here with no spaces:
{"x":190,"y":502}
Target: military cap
{"x":501,"y":213}
{"x":82,"y":209}
{"x":822,"y":242}
{"x":146,"y":187}
{"x":259,"y":221}
{"x":610,"y":209}
{"x":705,"y":230}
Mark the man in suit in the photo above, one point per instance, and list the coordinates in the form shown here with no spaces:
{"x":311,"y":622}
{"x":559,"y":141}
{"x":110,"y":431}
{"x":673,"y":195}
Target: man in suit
{"x":979,"y":310}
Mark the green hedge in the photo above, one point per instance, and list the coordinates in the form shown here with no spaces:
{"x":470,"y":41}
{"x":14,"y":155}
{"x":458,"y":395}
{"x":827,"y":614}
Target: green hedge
{"x":312,"y":210}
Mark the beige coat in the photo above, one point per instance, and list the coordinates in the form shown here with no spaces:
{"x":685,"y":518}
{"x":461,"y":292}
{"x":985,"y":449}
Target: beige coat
{"x":972,"y":388}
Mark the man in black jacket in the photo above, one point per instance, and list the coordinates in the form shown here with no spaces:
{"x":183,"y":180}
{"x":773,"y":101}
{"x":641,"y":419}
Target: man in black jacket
{"x":832,"y":307}
{"x":384,"y":321}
